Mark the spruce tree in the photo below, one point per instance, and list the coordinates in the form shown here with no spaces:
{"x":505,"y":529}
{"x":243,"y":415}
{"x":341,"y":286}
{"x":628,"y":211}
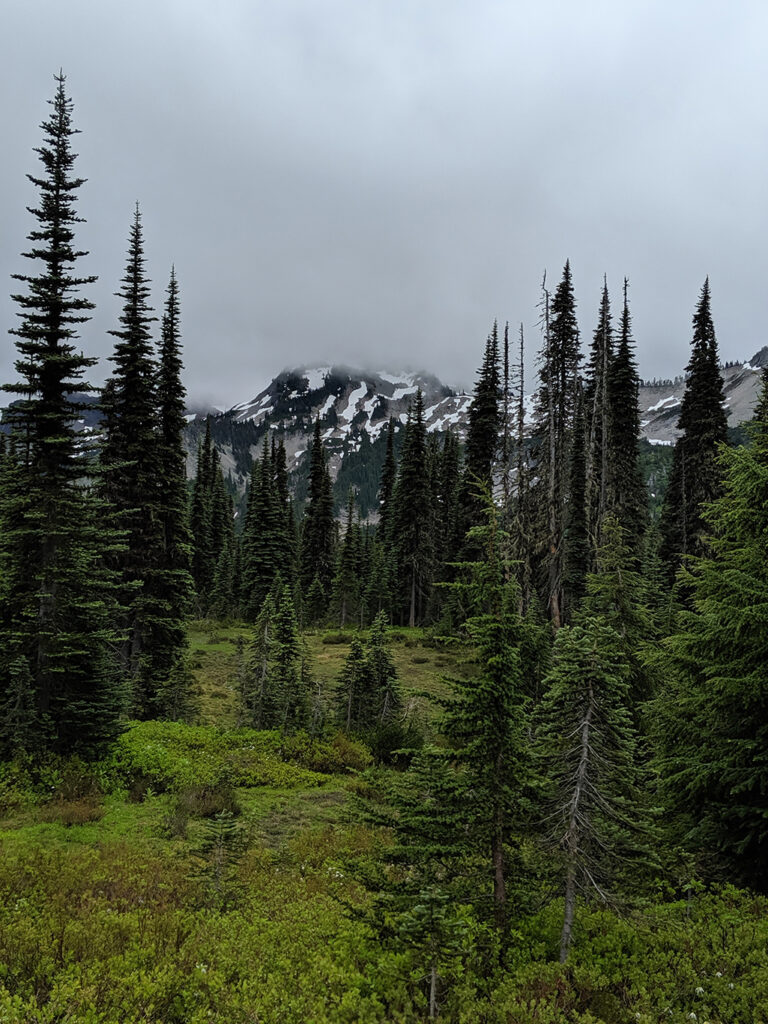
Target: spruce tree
{"x":695,"y":475}
{"x":57,"y":679}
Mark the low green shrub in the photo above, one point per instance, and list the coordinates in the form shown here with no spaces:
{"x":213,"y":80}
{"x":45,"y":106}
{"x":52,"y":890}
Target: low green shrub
{"x":79,"y":811}
{"x":336,"y":638}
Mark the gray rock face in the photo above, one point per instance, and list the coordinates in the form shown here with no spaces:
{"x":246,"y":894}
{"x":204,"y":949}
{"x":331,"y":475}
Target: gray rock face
{"x":660,"y":401}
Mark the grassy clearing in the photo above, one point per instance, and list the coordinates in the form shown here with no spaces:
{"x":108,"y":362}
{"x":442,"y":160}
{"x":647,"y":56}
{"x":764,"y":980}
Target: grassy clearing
{"x":422,"y":666}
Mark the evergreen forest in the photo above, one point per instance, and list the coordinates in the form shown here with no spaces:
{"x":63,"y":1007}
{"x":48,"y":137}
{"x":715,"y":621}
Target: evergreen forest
{"x":496,"y":754}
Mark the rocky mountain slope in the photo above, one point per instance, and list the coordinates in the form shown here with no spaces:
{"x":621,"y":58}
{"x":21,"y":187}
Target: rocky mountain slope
{"x":354,"y":406}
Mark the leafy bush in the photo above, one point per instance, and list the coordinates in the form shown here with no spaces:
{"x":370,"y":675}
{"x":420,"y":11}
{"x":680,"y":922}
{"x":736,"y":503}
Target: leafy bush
{"x":172,"y":757}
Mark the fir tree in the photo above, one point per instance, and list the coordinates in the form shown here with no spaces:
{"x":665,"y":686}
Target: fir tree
{"x":287,"y":677}
{"x":263,"y":536}
{"x":556,"y":401}
{"x":419,"y":899}
{"x":483,"y":431}
{"x":57,"y":680}
{"x":588,"y":748}
{"x":575,"y":532}
{"x":318,"y":530}
{"x":695,"y":475}
{"x":486,"y":719}
{"x":412,"y":517}
{"x":387,"y":487}
{"x":354,"y":686}
{"x":628,"y":498}
{"x":712,"y":714}
{"x":201,"y":515}
{"x":174,"y":580}
{"x":260,"y":706}
{"x":597,"y":437}
{"x":385,"y":698}
{"x":346,"y":584}
{"x":131,"y":464}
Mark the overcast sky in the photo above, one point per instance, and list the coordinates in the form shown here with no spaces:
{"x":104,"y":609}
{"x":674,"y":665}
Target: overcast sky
{"x":374,"y":181}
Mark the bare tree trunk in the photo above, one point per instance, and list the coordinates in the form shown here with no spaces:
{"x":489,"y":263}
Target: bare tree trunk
{"x":554,"y":552}
{"x":433,"y":991}
{"x":573,"y":835}
{"x":412,"y":618}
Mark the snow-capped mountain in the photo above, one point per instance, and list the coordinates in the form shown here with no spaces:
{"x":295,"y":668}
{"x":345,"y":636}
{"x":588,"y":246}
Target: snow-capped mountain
{"x":354,"y":407}
{"x":349,"y":404}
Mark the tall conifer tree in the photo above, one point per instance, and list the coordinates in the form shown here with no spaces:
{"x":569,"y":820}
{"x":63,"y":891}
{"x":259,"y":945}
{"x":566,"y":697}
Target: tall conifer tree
{"x":412,"y":517}
{"x":318,"y":529}
{"x":628,"y":497}
{"x":556,"y":401}
{"x":56,"y":674}
{"x":131,"y":465}
{"x":695,"y":475}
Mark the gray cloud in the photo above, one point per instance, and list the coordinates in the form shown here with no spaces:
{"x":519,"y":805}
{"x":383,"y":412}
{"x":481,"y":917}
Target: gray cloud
{"x":373,"y":182}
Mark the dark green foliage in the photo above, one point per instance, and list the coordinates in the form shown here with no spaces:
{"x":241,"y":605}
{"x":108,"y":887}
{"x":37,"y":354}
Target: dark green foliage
{"x":288,"y":670}
{"x":387,"y":488}
{"x":131,"y":464}
{"x":628,"y":496}
{"x":173,"y":580}
{"x":346,"y":598}
{"x":354,"y":688}
{"x":483,"y":434}
{"x":617,"y":594}
{"x":556,"y":401}
{"x":695,"y":474}
{"x":576,"y":539}
{"x":712,"y":715}
{"x":264,"y":535}
{"x":487,"y":719}
{"x":57,"y":680}
{"x":318,"y":534}
{"x":588,"y":747}
{"x":385,"y":696}
{"x":597,"y":419}
{"x":416,"y":887}
{"x":412,"y":520}
{"x":257,"y":695}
